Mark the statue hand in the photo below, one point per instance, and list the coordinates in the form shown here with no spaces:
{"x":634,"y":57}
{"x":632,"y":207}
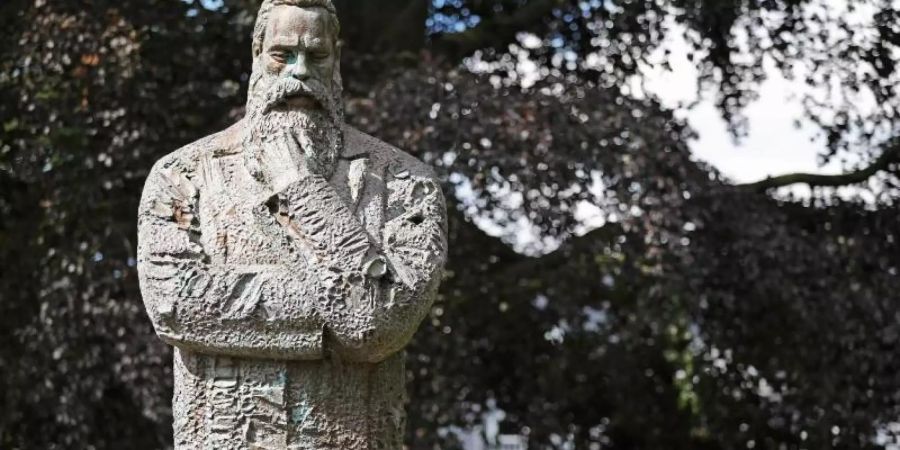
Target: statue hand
{"x":282,"y":161}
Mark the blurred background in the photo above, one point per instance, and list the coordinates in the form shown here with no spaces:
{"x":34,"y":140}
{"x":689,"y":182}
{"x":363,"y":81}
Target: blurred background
{"x":673,"y":222}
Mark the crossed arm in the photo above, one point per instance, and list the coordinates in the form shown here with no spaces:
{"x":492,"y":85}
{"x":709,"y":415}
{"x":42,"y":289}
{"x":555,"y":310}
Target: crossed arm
{"x":358,"y":299}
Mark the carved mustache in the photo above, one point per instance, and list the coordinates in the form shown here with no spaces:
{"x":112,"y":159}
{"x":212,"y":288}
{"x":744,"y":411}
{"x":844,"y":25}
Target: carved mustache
{"x":289,"y":88}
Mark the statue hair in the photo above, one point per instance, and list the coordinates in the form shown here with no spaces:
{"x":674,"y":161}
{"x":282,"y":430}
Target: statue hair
{"x":262,"y":18}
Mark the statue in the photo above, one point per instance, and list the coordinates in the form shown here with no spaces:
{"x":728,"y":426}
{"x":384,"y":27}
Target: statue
{"x":290,"y":258}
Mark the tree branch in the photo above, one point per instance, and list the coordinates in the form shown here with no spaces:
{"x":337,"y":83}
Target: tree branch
{"x":495,"y":32}
{"x":890,"y":156}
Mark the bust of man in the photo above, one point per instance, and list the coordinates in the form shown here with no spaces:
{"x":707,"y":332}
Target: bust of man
{"x":290,"y":258}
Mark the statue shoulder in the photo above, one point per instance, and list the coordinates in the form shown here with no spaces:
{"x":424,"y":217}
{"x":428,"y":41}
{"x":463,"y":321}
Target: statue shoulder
{"x":184,"y":164}
{"x":412,"y":185}
{"x":399,"y":164}
{"x":186,"y":160}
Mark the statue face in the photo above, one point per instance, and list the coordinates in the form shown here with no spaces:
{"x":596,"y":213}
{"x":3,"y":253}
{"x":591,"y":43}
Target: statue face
{"x":300,"y":44}
{"x":295,"y":89}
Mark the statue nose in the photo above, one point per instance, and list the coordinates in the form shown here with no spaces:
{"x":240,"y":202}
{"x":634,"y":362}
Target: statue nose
{"x":299,"y":70}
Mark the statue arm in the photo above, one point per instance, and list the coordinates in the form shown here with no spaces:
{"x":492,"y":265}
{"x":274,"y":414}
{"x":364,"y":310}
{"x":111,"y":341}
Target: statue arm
{"x":394,"y":302}
{"x":373,"y":297}
{"x":205,"y":307}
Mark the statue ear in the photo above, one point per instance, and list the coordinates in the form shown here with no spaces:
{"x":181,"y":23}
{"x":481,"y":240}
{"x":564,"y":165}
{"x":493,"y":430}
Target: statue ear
{"x":336,"y":79}
{"x":255,"y":74}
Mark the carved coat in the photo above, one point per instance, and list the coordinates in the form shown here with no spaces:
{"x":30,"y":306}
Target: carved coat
{"x":289,"y":310}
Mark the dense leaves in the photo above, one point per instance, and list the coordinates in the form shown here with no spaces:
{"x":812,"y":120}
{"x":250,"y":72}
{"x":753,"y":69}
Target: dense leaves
{"x":849,"y":46}
{"x":699,"y":315}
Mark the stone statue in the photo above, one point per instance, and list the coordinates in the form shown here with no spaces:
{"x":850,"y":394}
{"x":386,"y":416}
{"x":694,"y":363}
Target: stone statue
{"x":290,"y":258}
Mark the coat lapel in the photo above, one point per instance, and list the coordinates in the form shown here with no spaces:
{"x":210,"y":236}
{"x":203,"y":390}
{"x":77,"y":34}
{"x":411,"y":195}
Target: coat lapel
{"x":359,"y":179}
{"x":356,"y":180}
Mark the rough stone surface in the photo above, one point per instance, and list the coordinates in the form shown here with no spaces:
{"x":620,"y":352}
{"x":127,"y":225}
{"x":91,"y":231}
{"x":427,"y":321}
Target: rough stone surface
{"x":290,"y":258}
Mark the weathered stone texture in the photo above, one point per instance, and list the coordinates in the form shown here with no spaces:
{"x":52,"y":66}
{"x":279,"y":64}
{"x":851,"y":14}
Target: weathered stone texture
{"x":289,"y":280}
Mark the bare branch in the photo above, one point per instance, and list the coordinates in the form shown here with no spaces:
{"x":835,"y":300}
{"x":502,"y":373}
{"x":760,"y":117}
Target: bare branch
{"x":890,"y":156}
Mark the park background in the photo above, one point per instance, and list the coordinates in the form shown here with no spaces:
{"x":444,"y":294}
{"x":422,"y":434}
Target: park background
{"x":673,"y":222}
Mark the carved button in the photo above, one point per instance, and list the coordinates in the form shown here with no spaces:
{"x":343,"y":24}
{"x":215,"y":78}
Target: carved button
{"x":377,"y":267}
{"x":399,"y":172}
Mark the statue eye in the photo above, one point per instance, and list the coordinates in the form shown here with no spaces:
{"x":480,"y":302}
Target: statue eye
{"x":280,"y":57}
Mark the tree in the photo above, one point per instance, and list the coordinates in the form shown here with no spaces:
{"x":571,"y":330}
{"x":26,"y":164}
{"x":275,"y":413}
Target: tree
{"x":704,"y":315}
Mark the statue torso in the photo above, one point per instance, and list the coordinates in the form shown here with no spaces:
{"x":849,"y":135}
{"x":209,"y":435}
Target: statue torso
{"x":229,"y":403}
{"x":234,"y":403}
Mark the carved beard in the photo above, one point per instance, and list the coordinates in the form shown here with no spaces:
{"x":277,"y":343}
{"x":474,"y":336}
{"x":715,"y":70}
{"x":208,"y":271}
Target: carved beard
{"x":318,"y":132}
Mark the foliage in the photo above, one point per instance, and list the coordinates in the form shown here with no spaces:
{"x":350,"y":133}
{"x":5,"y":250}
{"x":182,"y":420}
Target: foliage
{"x":703,"y":315}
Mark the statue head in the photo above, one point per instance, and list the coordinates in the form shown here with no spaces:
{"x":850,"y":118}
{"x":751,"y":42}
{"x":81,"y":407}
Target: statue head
{"x":296,"y":83}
